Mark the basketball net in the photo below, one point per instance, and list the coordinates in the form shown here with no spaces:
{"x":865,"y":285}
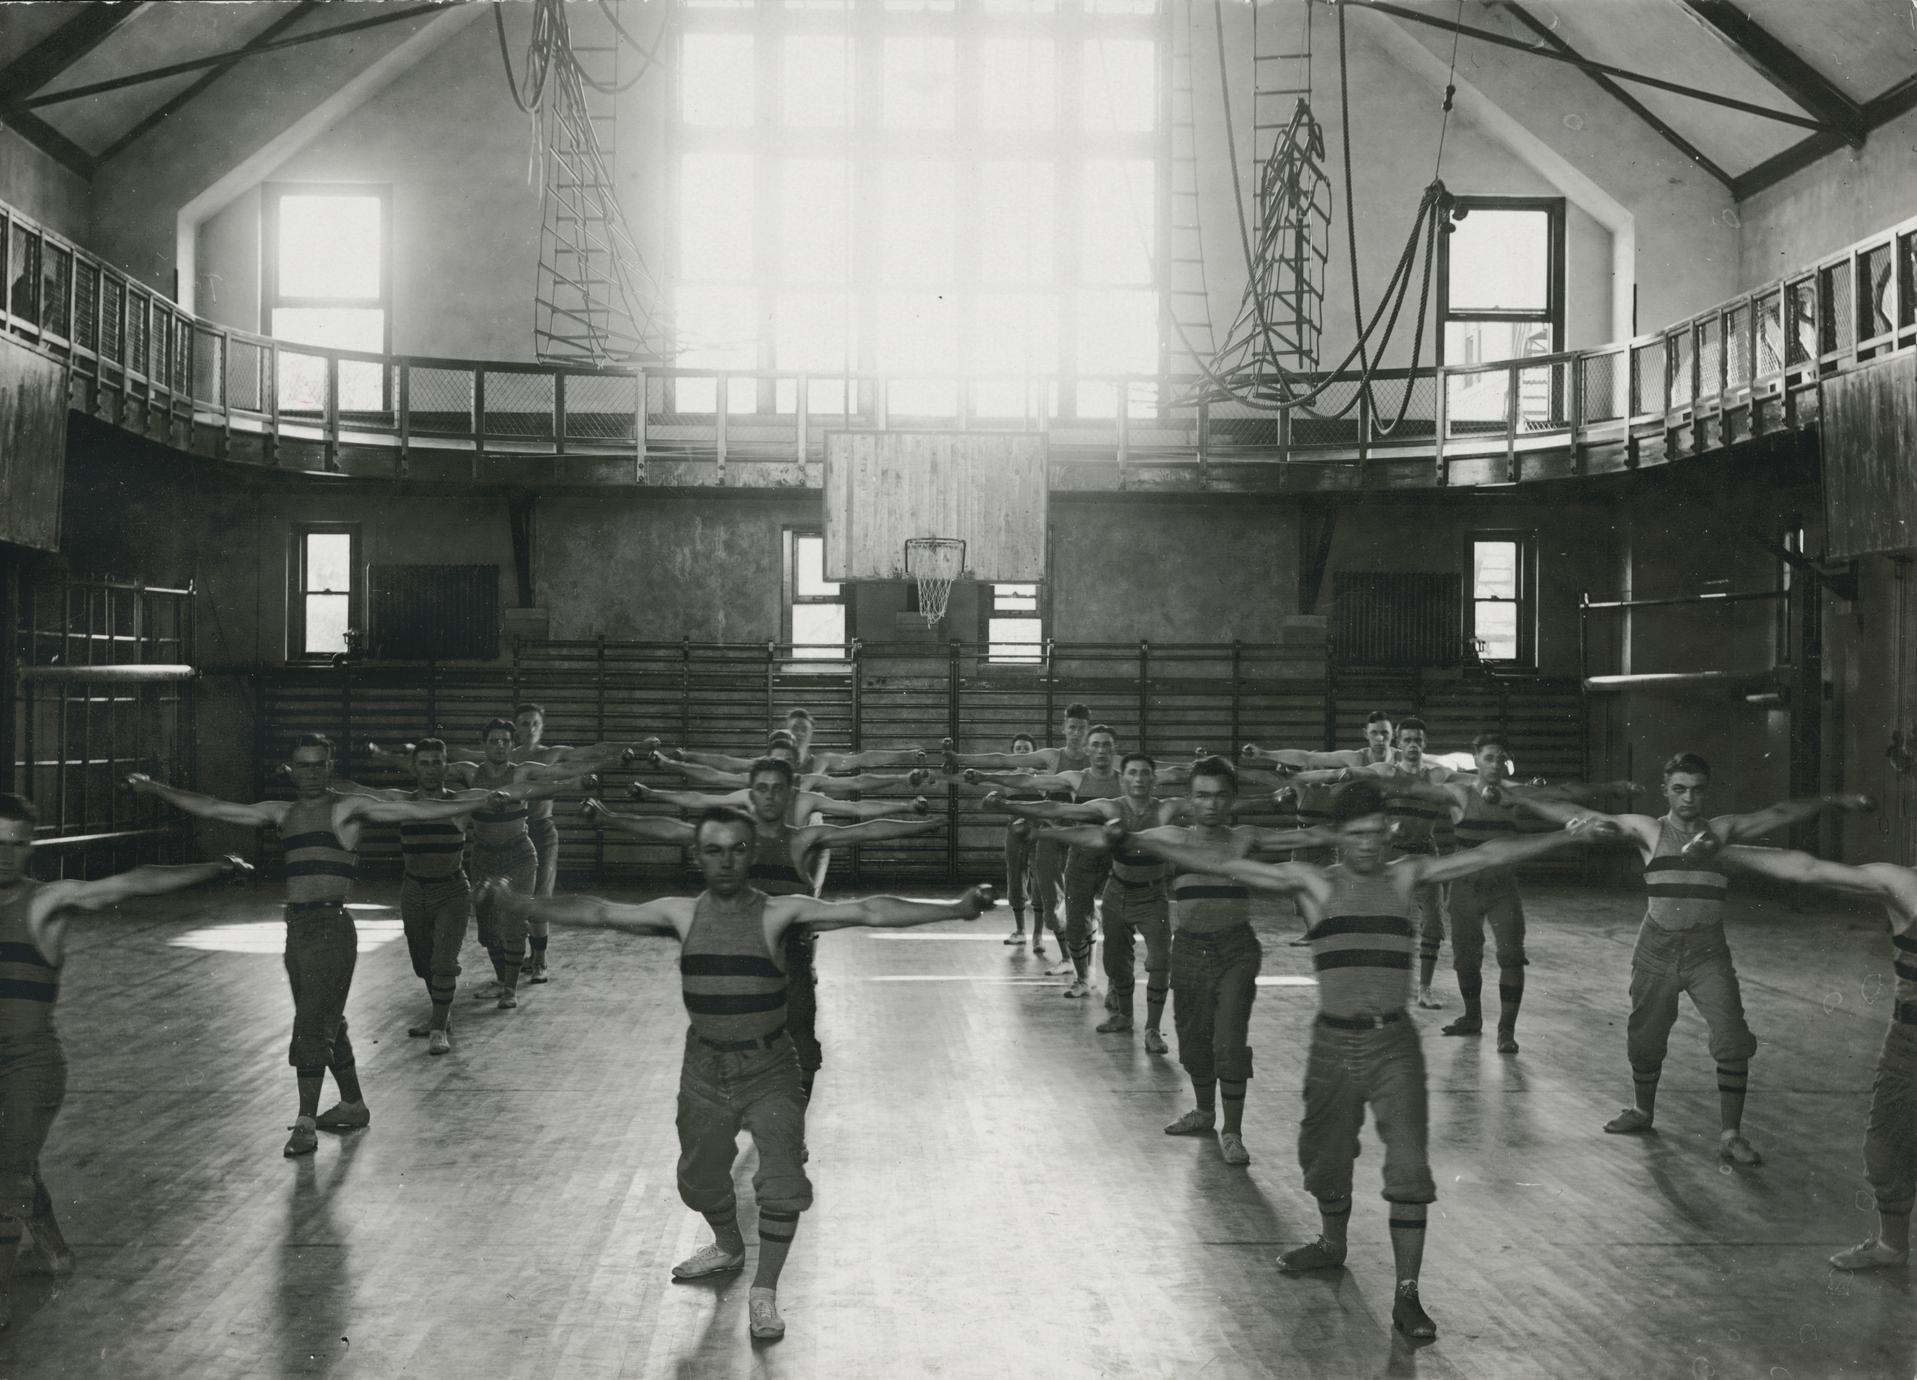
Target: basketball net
{"x":935,"y":563}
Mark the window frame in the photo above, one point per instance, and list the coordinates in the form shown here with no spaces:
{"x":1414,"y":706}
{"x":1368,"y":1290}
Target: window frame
{"x":297,"y":592}
{"x":791,"y":537}
{"x":987,"y":610}
{"x":1553,"y":313}
{"x":1526,"y":601}
{"x":271,"y":298}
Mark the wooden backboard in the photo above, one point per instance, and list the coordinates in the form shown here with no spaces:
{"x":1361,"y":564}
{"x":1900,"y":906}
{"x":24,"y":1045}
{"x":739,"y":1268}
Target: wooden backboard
{"x":33,"y":446}
{"x":883,"y":487}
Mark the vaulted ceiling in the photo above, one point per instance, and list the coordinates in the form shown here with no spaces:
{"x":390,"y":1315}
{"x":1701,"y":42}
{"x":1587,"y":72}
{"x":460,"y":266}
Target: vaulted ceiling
{"x":1772,"y":84}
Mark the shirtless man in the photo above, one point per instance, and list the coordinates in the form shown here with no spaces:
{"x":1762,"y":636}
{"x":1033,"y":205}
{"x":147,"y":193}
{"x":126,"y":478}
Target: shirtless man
{"x":319,"y":830}
{"x":1681,"y":946}
{"x":740,"y":1071}
{"x":798,"y":723}
{"x":33,"y":1067}
{"x":781,"y":864}
{"x":1890,"y":1135}
{"x":1364,"y":1049}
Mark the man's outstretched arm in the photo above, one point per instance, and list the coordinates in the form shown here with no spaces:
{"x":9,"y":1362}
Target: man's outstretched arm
{"x":150,"y":880}
{"x":882,"y":912}
{"x":211,"y":807}
{"x":646,"y":828}
{"x":1757,"y":823}
{"x":1500,"y":853}
{"x":869,"y":831}
{"x":862,"y":810}
{"x":667,"y":915}
{"x":1884,"y":882}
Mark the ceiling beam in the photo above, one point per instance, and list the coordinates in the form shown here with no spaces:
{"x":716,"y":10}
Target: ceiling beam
{"x":1779,"y":64}
{"x":1620,"y":95}
{"x":1879,"y":110}
{"x":213,"y":74}
{"x":46,"y":60}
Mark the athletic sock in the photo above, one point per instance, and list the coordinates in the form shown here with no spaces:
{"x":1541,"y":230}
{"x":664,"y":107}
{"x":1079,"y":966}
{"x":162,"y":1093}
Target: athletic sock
{"x":725,"y":1228}
{"x":1471,"y":988}
{"x":1154,"y":1004}
{"x":347,"y":1079}
{"x":539,"y":942}
{"x":1206,"y":1091}
{"x":776,"y":1230}
{"x":1407,"y":1239}
{"x":1233,"y":1095}
{"x":1336,"y":1219}
{"x":1510,"y":997}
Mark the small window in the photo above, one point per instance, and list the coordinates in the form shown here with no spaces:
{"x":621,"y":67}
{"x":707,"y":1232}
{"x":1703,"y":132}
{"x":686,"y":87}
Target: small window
{"x":1014,"y":625}
{"x":816,"y":621}
{"x":328,"y":283}
{"x":324,"y":614}
{"x":1501,"y":606}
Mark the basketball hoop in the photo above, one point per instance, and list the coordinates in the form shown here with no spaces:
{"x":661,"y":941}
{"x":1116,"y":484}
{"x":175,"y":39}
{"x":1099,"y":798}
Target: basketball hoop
{"x":934,"y":562}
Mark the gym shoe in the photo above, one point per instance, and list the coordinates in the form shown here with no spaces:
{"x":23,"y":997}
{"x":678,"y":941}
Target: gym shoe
{"x":1016,"y":939}
{"x":1464,"y":1025}
{"x":1428,"y":1000}
{"x":304,"y":1140}
{"x":488,"y":990}
{"x":1120,"y":1023}
{"x":1628,"y":1122}
{"x":1231,"y":1145}
{"x":1192,"y":1123}
{"x":1155,"y":1043}
{"x":440,"y":1043}
{"x":508,"y":999}
{"x":1869,"y":1255}
{"x":762,"y":1306}
{"x":1079,"y":988}
{"x":1507,"y":1041}
{"x":1317,"y":1255}
{"x":1408,"y":1315}
{"x":537,"y":970}
{"x":1737,"y":1150}
{"x":1061,"y":968}
{"x":709,"y":1259}
{"x":344,"y":1116}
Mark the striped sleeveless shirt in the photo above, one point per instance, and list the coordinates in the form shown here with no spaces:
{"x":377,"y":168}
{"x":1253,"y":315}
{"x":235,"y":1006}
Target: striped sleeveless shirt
{"x":1904,"y":951}
{"x":1480,"y":823}
{"x":1090,"y":788}
{"x":433,"y":849}
{"x":29,"y":984}
{"x":1363,"y":947}
{"x":1206,"y":903}
{"x":1132,"y":865}
{"x":1414,"y":820}
{"x":320,"y":870}
{"x":734,"y":990}
{"x":501,"y":826}
{"x":771,"y":869}
{"x":1068,"y":761}
{"x":1679,"y":894}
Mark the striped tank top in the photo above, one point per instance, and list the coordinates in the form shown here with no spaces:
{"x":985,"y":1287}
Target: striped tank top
{"x":319,"y":868}
{"x":734,"y":990}
{"x":1414,"y":820}
{"x":771,"y":869}
{"x":1904,"y":950}
{"x":1679,"y":894}
{"x":1362,"y":949}
{"x":1090,"y":788}
{"x":1482,"y":822}
{"x":496,"y":827}
{"x":1068,"y":761}
{"x":1131,"y":864}
{"x":433,"y":849}
{"x":1206,"y":903}
{"x":28,"y":983}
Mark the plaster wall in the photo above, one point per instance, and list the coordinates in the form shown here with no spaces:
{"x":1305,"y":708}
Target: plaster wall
{"x":1836,"y":201}
{"x":55,"y":196}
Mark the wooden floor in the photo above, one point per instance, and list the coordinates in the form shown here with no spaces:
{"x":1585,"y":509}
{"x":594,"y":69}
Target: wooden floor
{"x":994,"y":1195}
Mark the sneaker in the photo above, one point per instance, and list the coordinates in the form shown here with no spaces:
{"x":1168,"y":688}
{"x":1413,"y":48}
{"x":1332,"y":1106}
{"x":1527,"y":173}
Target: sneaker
{"x":440,"y":1043}
{"x":1507,"y":1041}
{"x":1061,"y":968}
{"x":537,"y":970}
{"x":1120,"y":1023}
{"x":1428,"y":1000}
{"x":1155,"y":1043}
{"x":1038,"y":949}
{"x":1192,"y":1123}
{"x":508,"y":999}
{"x":344,"y":1116}
{"x":1232,"y":1146}
{"x":1016,"y":939}
{"x":1869,"y":1255}
{"x":1079,"y":988}
{"x":1628,"y":1122}
{"x":1737,"y":1150}
{"x":1408,"y":1315}
{"x":1318,"y":1255}
{"x":709,"y":1259}
{"x":304,"y":1140}
{"x":762,"y":1306}
{"x":1464,"y":1025}
{"x":488,"y":990}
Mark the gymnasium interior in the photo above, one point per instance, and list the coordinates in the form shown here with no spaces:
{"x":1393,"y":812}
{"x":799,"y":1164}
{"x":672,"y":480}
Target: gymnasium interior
{"x":1233,"y":368}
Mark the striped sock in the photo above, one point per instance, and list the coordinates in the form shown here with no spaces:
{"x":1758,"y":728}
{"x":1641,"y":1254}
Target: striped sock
{"x":1510,"y":997}
{"x":1407,"y":1239}
{"x":776,"y":1230}
{"x":1234,"y":1099}
{"x":725,"y":1227}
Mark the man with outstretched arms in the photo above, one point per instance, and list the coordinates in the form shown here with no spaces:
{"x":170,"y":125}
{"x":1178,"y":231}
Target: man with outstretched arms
{"x":781,"y":865}
{"x":33,"y":1068}
{"x":1085,"y":868}
{"x":1890,"y":1136}
{"x":1364,"y":1049}
{"x":1416,"y":807}
{"x":435,"y":895}
{"x":1215,"y":956}
{"x":1482,"y":809}
{"x":799,"y":727}
{"x":1681,"y":946}
{"x":740,"y":1071}
{"x":1135,"y":904}
{"x":319,"y":832}
{"x":1048,"y":858}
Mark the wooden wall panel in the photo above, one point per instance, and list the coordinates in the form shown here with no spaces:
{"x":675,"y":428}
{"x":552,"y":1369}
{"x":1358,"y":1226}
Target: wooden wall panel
{"x":33,"y":446}
{"x":1870,"y":458}
{"x":882,"y":488}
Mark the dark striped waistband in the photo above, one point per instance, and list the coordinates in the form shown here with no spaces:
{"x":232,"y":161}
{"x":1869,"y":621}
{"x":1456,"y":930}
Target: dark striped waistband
{"x":1231,"y":934}
{"x":734,"y":1046}
{"x":1156,"y":883}
{"x":459,"y":876}
{"x":313,"y":907}
{"x":1359,"y":1022}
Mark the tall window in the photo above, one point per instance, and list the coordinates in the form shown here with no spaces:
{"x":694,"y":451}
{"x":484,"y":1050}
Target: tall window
{"x":327,"y":280}
{"x":815,"y":607}
{"x":326,"y":595}
{"x":920,"y":188}
{"x":1502,"y":609}
{"x":1014,"y":624}
{"x":1501,"y":297}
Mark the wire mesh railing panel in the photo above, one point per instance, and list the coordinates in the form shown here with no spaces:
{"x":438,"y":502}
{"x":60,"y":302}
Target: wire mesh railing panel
{"x":56,"y":269}
{"x":209,"y":367}
{"x":1544,"y":395}
{"x":1737,"y":346}
{"x":1476,"y":403}
{"x":112,"y":333}
{"x":138,"y":320}
{"x":86,"y":304}
{"x":601,"y":407}
{"x":1416,"y":397}
{"x":439,"y":400}
{"x":1837,"y":332}
{"x":519,"y":406}
{"x":1602,"y":395}
{"x":1647,"y":378}
{"x":1907,"y":279}
{"x":1710,"y":359}
{"x":1681,"y":373}
{"x":1875,"y":289}
{"x":23,"y":264}
{"x":301,"y":385}
{"x":245,"y":376}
